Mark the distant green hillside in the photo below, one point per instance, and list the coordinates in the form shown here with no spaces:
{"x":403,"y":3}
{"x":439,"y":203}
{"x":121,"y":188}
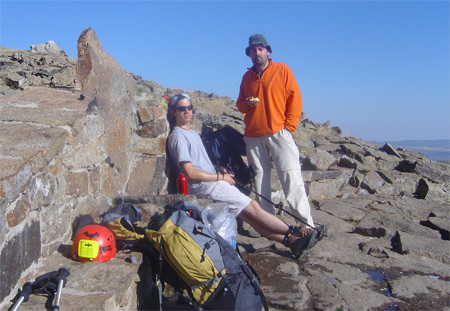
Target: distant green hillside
{"x":437,"y":150}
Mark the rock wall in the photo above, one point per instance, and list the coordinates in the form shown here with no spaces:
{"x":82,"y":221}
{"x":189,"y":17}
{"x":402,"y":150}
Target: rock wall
{"x":67,"y":151}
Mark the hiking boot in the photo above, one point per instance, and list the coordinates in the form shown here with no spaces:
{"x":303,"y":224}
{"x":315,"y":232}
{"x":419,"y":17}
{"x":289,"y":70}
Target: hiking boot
{"x":300,"y":231}
{"x":299,"y":245}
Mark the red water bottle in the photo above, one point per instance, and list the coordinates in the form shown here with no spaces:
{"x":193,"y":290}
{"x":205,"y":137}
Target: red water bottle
{"x":182,"y":185}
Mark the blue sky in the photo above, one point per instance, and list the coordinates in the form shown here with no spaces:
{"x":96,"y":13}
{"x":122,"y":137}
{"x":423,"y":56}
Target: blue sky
{"x":377,"y":69}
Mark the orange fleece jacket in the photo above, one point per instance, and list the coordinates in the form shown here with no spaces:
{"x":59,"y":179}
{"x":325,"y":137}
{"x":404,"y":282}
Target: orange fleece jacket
{"x":280,"y":100}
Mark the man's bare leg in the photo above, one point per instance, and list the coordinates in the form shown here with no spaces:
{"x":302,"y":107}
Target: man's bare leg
{"x":268,"y":225}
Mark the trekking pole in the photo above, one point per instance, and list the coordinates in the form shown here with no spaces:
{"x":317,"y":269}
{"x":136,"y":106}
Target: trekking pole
{"x":24,"y":295}
{"x":278,"y":206}
{"x":61,"y":279}
{"x":43,"y":282}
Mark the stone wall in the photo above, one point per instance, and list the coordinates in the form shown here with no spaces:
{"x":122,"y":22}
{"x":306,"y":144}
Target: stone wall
{"x":68,"y":151}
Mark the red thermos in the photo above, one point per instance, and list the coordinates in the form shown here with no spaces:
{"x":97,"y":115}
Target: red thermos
{"x":182,"y":185}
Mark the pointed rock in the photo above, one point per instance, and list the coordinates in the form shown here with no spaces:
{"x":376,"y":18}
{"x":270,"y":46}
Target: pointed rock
{"x":391,"y":150}
{"x":113,"y":89}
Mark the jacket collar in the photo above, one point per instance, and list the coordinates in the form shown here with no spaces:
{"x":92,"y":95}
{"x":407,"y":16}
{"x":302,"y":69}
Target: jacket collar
{"x":253,"y":68}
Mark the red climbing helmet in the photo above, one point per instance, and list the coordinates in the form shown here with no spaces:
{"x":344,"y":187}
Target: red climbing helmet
{"x":94,"y":243}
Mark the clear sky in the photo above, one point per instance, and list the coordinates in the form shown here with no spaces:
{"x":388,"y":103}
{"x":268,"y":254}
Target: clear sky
{"x":377,"y":69}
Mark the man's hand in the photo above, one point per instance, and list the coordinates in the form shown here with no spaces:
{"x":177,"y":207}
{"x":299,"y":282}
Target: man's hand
{"x":252,"y":102}
{"x":229,"y":178}
{"x":222,"y":170}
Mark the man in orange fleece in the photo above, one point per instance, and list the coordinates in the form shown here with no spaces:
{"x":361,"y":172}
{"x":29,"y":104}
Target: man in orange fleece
{"x":271,"y":100}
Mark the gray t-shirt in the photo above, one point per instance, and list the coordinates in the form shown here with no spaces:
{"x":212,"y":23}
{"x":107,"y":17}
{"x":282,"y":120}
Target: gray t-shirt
{"x":187,"y":146}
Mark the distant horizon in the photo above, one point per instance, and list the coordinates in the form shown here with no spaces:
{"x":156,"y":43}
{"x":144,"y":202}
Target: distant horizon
{"x":434,"y":149}
{"x":418,"y":140}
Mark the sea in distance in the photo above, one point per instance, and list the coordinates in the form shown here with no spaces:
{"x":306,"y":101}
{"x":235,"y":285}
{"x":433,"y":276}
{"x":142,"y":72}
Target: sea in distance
{"x":436,"y":150}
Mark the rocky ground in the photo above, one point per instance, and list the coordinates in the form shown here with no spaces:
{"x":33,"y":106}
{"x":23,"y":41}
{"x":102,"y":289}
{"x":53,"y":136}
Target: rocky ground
{"x":380,"y":254}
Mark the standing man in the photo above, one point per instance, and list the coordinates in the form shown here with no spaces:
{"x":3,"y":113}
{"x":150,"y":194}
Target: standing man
{"x":271,"y":101}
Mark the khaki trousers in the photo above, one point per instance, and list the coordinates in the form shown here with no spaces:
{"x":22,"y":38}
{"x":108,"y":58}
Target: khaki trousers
{"x":282,"y":150}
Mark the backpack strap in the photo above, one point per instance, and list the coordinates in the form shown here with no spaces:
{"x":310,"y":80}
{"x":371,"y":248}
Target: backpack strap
{"x":254,"y":280}
{"x":215,"y":279}
{"x":159,"y":282}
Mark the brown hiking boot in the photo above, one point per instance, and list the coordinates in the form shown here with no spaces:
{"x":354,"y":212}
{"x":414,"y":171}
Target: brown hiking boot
{"x":299,"y":230}
{"x":299,"y":244}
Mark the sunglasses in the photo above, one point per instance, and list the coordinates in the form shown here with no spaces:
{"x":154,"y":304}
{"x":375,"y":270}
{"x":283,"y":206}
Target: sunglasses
{"x":183,"y":108}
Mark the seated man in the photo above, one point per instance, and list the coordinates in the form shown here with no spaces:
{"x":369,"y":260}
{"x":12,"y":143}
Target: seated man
{"x":189,"y":155}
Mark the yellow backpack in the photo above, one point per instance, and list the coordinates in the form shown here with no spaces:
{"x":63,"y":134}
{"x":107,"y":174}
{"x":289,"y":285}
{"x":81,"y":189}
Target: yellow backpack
{"x":193,"y":252}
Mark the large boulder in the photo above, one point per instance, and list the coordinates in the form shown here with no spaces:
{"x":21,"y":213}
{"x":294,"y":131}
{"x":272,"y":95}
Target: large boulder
{"x":112,"y":89}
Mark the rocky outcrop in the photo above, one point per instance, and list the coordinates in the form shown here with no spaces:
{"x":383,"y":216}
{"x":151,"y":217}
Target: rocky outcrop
{"x":38,"y":67}
{"x":109,"y":90}
{"x":64,"y":152}
{"x":79,"y":134}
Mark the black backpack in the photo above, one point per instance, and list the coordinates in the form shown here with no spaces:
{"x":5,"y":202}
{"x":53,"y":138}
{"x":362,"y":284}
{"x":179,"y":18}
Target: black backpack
{"x":225,"y":148}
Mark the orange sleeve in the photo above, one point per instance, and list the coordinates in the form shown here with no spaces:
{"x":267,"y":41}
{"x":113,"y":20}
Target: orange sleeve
{"x":241,"y":102}
{"x":293,"y":102}
{"x":246,"y":91}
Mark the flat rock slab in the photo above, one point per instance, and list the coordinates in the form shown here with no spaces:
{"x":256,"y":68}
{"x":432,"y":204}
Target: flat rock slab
{"x":381,"y":225}
{"x":346,"y":210}
{"x":280,"y":280}
{"x":417,"y":285}
{"x":41,"y":105}
{"x":92,"y":286}
{"x":425,"y":247}
{"x":34,"y":143}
